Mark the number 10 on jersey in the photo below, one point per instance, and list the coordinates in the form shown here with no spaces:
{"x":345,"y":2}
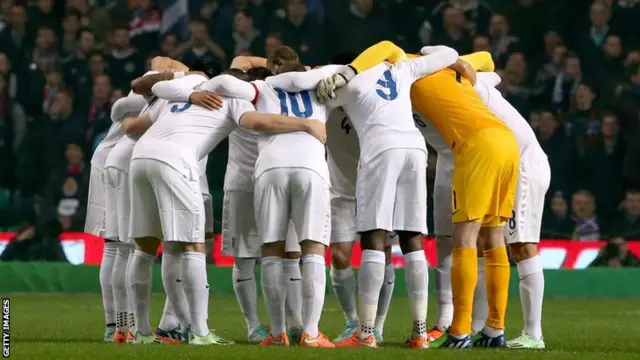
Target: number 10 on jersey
{"x":292,"y":101}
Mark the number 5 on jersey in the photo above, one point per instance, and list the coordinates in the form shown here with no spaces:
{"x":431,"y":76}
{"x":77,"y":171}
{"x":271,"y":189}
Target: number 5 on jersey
{"x":291,"y":101}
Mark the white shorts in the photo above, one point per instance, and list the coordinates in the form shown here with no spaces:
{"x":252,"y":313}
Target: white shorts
{"x":118,"y":203}
{"x":208,"y":213}
{"x":165,"y":203}
{"x":95,"y":220}
{"x":343,"y":218}
{"x":391,"y":192}
{"x":442,"y":223}
{"x":291,"y":243}
{"x":300,"y":195}
{"x":239,"y":231}
{"x":533,"y":183}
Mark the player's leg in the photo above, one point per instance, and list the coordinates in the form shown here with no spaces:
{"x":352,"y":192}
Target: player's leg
{"x":271,"y":204}
{"x":311,"y":216}
{"x":120,"y":181}
{"x":523,"y":235}
{"x":119,"y":284}
{"x":480,"y":303}
{"x":144,"y":228}
{"x":95,"y":224}
{"x":386,"y":292}
{"x":240,"y":239}
{"x":343,"y":280}
{"x":175,"y":315}
{"x":293,"y":284}
{"x":410,"y":222}
{"x":375,"y":194}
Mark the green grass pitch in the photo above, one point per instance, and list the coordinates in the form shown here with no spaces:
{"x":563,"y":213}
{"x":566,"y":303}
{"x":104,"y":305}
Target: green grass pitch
{"x":70,"y":326}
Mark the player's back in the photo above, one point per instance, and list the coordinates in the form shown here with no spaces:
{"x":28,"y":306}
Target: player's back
{"x":505,"y":111}
{"x":187,"y":132}
{"x":452,"y":105}
{"x":295,"y":149}
{"x":243,"y":153}
{"x":343,"y":152}
{"x":378,"y":103}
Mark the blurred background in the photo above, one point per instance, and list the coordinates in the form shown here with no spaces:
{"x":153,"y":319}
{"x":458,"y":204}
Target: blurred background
{"x":571,"y":67}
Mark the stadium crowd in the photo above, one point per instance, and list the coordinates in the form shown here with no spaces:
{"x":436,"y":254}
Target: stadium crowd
{"x":572,"y":68}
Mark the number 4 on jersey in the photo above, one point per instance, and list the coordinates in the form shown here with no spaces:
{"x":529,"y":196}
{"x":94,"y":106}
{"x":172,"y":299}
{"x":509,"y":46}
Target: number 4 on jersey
{"x":345,"y":125}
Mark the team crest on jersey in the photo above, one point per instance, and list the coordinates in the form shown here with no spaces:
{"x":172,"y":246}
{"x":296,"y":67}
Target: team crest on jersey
{"x":70,"y":187}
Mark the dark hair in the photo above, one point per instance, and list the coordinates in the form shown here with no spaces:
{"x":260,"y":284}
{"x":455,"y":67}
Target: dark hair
{"x":283,"y":55}
{"x":238,"y":73}
{"x":344,"y":58}
{"x":289,"y":67}
{"x":245,"y":12}
{"x":72,"y":13}
{"x":95,"y":53}
{"x":258,"y":73}
{"x":117,"y":27}
{"x":210,"y":68}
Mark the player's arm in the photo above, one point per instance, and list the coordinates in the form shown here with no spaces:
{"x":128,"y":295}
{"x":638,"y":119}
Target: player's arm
{"x":126,"y":106}
{"x":160,"y":63}
{"x":490,"y":79}
{"x":182,"y":90}
{"x":374,"y":55}
{"x":231,"y":86}
{"x":479,"y":61}
{"x":435,"y":58}
{"x":295,"y":81}
{"x":136,"y":125}
{"x":463,"y":68}
{"x":248,"y":62}
{"x":143,"y":84}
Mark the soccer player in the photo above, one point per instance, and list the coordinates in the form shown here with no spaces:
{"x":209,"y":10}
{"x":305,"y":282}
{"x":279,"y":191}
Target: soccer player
{"x":523,"y":230}
{"x":391,"y":184}
{"x":486,"y":160}
{"x":122,"y":109}
{"x":240,"y":237}
{"x":167,"y":156}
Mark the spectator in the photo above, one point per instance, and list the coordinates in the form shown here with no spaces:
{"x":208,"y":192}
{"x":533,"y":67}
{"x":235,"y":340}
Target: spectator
{"x":145,"y":27}
{"x":615,"y":254}
{"x":590,"y":41}
{"x":70,"y":27}
{"x":628,"y":224}
{"x":96,"y":66}
{"x":42,"y":15}
{"x":169,"y":45}
{"x":565,"y":83}
{"x":11,"y":77}
{"x":477,"y":14}
{"x":558,"y":147}
{"x":46,"y":54}
{"x":551,"y":69}
{"x":272,"y":42}
{"x":583,"y":209}
{"x":13,"y":126}
{"x":53,"y":84}
{"x":518,"y":92}
{"x":583,"y":115}
{"x":301,"y":32}
{"x":612,"y":49}
{"x":124,"y":62}
{"x":556,"y":223}
{"x":97,"y":113}
{"x":503,"y":42}
{"x":603,"y":158}
{"x":14,"y":38}
{"x":481,"y":43}
{"x":453,"y":32}
{"x":245,"y":36}
{"x":76,"y":66}
{"x":95,"y":17}
{"x":200,"y":48}
{"x":527,"y":19}
{"x":364,"y":25}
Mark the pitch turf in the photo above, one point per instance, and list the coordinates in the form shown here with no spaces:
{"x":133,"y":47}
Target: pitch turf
{"x":47,"y":327}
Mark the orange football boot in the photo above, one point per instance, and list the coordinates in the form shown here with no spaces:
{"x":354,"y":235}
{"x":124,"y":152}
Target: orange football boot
{"x":280,"y":340}
{"x":130,"y":338}
{"x":419,"y":342}
{"x":434,"y":334}
{"x":320,"y":341}
{"x":354,"y":342}
{"x":120,"y":337}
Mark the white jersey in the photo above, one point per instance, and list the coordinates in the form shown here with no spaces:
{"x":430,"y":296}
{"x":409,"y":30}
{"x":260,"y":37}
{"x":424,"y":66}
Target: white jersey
{"x":485,"y":87}
{"x":243,"y":153}
{"x":444,"y":166}
{"x":185,"y":133}
{"x":295,"y":149}
{"x":378,"y":102}
{"x":122,"y":108}
{"x":343,"y":153}
{"x":120,"y":156}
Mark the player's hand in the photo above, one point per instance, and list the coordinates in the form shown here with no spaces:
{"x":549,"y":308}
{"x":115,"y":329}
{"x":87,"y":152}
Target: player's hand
{"x":465,"y":70}
{"x":206,"y":99}
{"x":317,"y":129}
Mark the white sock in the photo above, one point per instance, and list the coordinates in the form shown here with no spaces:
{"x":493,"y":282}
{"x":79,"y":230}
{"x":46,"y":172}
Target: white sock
{"x":370,"y":281}
{"x":140,"y":281}
{"x":293,"y":290}
{"x":273,"y":291}
{"x":314,"y":283}
{"x":480,"y":303}
{"x":244,"y":286}
{"x":442,"y":277}
{"x":106,"y":284}
{"x":119,"y":284}
{"x":131,"y":323}
{"x":176,"y":309}
{"x":344,"y":287}
{"x":417,"y":279}
{"x":194,"y":273}
{"x":531,"y":295}
{"x":385,"y":296}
